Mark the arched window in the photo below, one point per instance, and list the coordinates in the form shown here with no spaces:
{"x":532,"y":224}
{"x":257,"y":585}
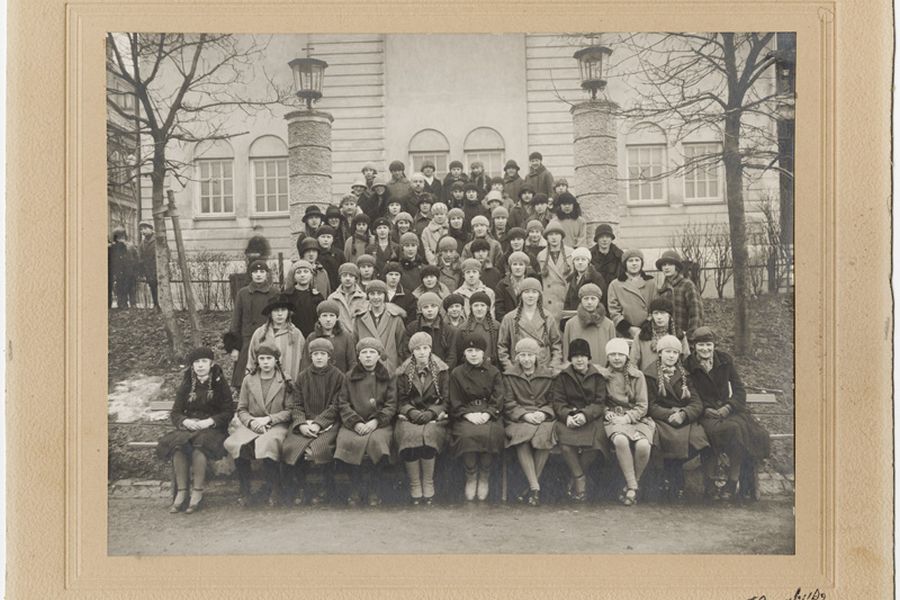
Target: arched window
{"x":429,"y":144}
{"x":486,"y":145}
{"x":214,"y":171}
{"x":646,"y":163}
{"x":269,"y":166}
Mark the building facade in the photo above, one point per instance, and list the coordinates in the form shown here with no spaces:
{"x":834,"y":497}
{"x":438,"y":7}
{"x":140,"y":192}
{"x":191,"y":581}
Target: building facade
{"x":123,"y":188}
{"x":449,"y":97}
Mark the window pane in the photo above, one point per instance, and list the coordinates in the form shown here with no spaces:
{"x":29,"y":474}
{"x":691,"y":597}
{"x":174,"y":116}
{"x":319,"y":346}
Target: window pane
{"x":282,"y":185}
{"x":228,"y":204}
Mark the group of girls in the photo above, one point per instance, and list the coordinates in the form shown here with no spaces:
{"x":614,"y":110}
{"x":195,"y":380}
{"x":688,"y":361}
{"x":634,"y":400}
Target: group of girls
{"x":488,"y":388}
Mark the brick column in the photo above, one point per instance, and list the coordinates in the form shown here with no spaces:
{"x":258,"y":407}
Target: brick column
{"x":595,"y":162}
{"x":309,"y":163}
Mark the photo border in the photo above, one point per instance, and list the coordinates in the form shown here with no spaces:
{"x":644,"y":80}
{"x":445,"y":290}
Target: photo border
{"x":57,"y":55}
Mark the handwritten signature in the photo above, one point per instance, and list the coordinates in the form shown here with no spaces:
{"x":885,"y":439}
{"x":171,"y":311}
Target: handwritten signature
{"x":798,"y":595}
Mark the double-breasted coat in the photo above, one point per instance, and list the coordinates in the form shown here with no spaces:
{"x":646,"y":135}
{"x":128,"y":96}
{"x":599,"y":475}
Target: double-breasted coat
{"x":253,"y":403}
{"x":390,"y":330}
{"x":540,"y":180}
{"x":722,"y":386}
{"x":317,"y":393}
{"x":675,"y":441}
{"x":477,"y":389}
{"x":542,"y":329}
{"x":489,"y":330}
{"x":422,"y":400}
{"x":554,"y":276}
{"x":628,"y":300}
{"x":344,"y":355}
{"x":369,"y":395}
{"x":217,"y":406}
{"x":573,"y":392}
{"x":527,"y":394}
{"x":246,"y":318}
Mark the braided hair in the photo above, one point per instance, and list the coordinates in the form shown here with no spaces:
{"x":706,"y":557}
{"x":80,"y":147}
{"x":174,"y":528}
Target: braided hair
{"x":545,"y":269}
{"x":432,"y":369}
{"x":545,"y":335}
{"x":288,"y":384}
{"x":662,"y":378}
{"x":288,"y":324}
{"x":190,"y":378}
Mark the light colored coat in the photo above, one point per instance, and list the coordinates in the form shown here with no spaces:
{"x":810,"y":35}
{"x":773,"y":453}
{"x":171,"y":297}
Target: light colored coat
{"x":289,"y":341}
{"x":554,"y":275}
{"x":351,"y":307}
{"x":431,"y":235}
{"x":390,"y":330}
{"x":252,"y":403}
{"x":544,"y":331}
{"x":630,"y":300}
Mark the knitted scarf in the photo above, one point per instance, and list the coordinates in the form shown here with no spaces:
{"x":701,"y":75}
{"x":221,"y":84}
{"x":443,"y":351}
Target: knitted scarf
{"x":594,"y":317}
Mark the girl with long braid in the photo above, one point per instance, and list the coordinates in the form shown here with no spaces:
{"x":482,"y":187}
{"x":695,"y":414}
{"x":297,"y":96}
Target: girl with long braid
{"x":482,"y":324}
{"x":264,"y":414}
{"x":421,"y":431}
{"x":201,"y":412}
{"x":676,"y":407}
{"x":529,"y":320}
{"x":279,"y":331}
{"x":659,"y":323}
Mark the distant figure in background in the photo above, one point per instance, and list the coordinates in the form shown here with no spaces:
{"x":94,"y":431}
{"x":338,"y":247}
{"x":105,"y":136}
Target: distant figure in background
{"x":123,"y":258}
{"x":539,"y":178}
{"x":247,"y":317}
{"x":147,"y":260}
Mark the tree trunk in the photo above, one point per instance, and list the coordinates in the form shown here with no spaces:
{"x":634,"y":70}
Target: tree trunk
{"x":190,"y":301}
{"x":163,"y":277}
{"x":737,"y":222}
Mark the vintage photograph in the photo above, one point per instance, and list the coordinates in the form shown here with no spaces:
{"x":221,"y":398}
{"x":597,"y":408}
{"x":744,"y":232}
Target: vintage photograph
{"x":451,"y":293}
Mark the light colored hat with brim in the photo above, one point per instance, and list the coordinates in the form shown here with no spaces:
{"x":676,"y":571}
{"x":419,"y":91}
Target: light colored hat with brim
{"x":321,"y":345}
{"x":590,"y":289}
{"x":439,"y":208}
{"x":533,"y":225}
{"x":358,"y":183}
{"x":554,"y":227}
{"x":494,"y":195}
{"x":630,"y":253}
{"x":499,"y":211}
{"x":668,"y":342}
{"x":528,"y":345}
{"x":518,"y":257}
{"x":581,"y":253}
{"x":370,"y":343}
{"x":617,"y":346}
{"x":428,"y":298}
{"x":530,"y":283}
{"x":379,"y":180}
{"x":480,"y":220}
{"x":420,"y":338}
{"x":471,"y":264}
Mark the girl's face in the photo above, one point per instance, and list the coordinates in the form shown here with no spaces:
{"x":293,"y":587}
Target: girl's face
{"x":472,"y":195}
{"x":510,"y":172}
{"x":540,"y":208}
{"x":382,"y":231}
{"x":517,"y":244}
{"x":425,"y":208}
{"x":617,"y":359}
{"x":456,"y":171}
{"x":379,"y":190}
{"x":560,"y":189}
{"x":526,"y":360}
{"x":456,"y":222}
{"x":376,"y":299}
{"x":348,"y":281}
{"x":319,"y":358}
{"x":362,"y":229}
{"x":567,"y":208}
{"x":394,"y":209}
{"x":480,"y":230}
{"x":334,"y":222}
{"x":530,"y":297}
{"x":500,"y":222}
{"x":633,"y":265}
{"x":392,"y":279}
{"x":603,"y":242}
{"x":258,"y":276}
{"x":517,"y":269}
{"x":580,"y":362}
{"x":554,"y":239}
{"x":449,"y":256}
{"x":527,"y":197}
{"x":366,"y":271}
{"x":455,"y":311}
{"x":313,"y":222}
{"x":422,"y":353}
{"x":458,"y":195}
{"x":534,"y":237}
{"x":430,"y":311}
{"x":590,"y":303}
{"x":266,"y":363}
{"x":669,"y":357}
{"x":580,"y":263}
{"x":480,"y":310}
{"x":704,"y":349}
{"x":302,"y":276}
{"x":429,"y":281}
{"x":327,"y":320}
{"x":368,"y":173}
{"x":668,"y":269}
{"x":496,"y":187}
{"x":439,"y":218}
{"x":417,"y":184}
{"x":368,"y":358}
{"x":410,"y":250}
{"x":481,"y":255}
{"x":428,"y":172}
{"x":474,"y":356}
{"x":280,"y":316}
{"x":477,"y":171}
{"x":660,"y":318}
{"x":202,"y":367}
{"x":472,"y":277}
{"x":311,"y":255}
{"x":325,"y":240}
{"x":403,"y":226}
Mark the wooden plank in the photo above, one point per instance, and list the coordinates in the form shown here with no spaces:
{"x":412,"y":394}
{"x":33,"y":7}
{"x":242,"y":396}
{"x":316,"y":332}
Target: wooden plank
{"x":761,"y":399}
{"x":781,"y":436}
{"x":162,"y":405}
{"x":143,"y":444}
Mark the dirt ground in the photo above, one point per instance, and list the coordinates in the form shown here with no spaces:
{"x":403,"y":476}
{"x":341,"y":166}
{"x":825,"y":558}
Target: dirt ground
{"x":144,"y":527}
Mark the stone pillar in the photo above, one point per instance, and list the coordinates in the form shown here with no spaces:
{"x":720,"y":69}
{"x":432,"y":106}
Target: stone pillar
{"x":596,"y":171}
{"x":309,"y":163}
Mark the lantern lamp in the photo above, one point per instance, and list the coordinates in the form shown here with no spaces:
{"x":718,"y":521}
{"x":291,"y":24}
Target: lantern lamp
{"x":591,"y":63}
{"x":309,"y":74}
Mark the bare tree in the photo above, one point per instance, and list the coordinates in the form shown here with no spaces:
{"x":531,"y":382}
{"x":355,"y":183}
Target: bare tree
{"x":711,"y":81}
{"x":692,"y":243}
{"x":719,"y":240}
{"x":186,"y":87}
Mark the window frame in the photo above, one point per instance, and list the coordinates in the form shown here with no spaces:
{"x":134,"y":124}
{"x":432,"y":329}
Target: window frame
{"x":198,"y":162}
{"x":254,"y":211}
{"x":719,"y":198}
{"x":435,"y":156}
{"x":663,"y":200}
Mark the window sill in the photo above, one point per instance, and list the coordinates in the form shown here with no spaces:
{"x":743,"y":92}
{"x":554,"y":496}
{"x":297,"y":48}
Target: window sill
{"x":270,"y":216}
{"x":702,"y":201}
{"x":216,"y":217}
{"x":646,"y":203}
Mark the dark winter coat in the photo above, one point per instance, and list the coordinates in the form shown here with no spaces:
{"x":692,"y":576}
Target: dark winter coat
{"x":147,"y":253}
{"x":217,"y":406}
{"x":332,"y":259}
{"x":374,"y":206}
{"x":317,"y":393}
{"x":401,"y":191}
{"x":444,"y":338}
{"x":520,"y":214}
{"x":575,"y":281}
{"x":420,"y":405}
{"x":573,"y":393}
{"x":722,"y":386}
{"x":511,"y":187}
{"x":476,"y":389}
{"x":383,"y":255}
{"x":344,"y":356}
{"x":540,"y":180}
{"x":525,"y":395}
{"x":436,"y":189}
{"x":406,"y":301}
{"x":448,"y":182}
{"x":246,"y":318}
{"x":609,"y":265}
{"x":675,"y":441}
{"x":305,"y":303}
{"x":370,"y":395}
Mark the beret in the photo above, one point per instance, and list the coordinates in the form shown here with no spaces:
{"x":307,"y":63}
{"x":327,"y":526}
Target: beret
{"x":419,"y":338}
{"x":519,"y":256}
{"x":349,"y":267}
{"x":369,"y":342}
{"x":668,"y":342}
{"x":409,"y":238}
{"x":528,"y":344}
{"x":590,"y":289}
{"x":321,"y":345}
{"x":453,"y":299}
{"x":480,"y":220}
{"x":428,"y":298}
{"x":617,"y":345}
{"x":328,"y":306}
{"x":365,"y":259}
{"x":471,"y":264}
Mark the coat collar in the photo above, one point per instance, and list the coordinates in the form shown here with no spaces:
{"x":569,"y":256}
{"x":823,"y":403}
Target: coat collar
{"x":357,"y":372}
{"x":274,"y":389}
{"x":539,"y":373}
